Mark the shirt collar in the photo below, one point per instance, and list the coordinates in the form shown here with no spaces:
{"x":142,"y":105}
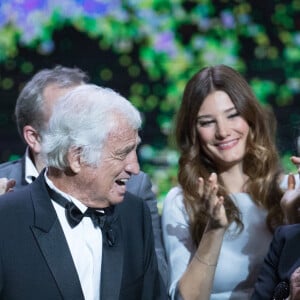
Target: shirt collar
{"x":31,"y":172}
{"x":51,"y":185}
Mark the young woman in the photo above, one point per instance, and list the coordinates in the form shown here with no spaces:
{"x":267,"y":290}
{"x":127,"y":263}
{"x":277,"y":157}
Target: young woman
{"x":218,"y":223}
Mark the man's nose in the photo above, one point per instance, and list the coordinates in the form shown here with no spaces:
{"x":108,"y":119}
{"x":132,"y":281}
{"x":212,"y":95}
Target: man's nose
{"x":132,"y":164}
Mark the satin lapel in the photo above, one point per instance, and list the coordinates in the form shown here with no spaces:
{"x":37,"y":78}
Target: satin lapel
{"x":112,"y":262}
{"x":50,"y":237}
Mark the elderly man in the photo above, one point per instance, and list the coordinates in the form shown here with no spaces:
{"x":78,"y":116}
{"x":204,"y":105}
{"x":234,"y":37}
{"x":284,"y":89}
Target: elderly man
{"x":32,"y":112}
{"x":75,"y":232}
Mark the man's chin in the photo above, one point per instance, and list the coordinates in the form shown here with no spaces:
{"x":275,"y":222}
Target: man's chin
{"x":116,"y":199}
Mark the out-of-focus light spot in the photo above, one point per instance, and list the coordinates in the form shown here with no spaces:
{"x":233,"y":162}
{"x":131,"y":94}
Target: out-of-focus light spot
{"x":294,"y":84}
{"x":260,"y":52}
{"x":7,"y":83}
{"x":137,"y":101}
{"x":296,"y":5}
{"x":104,"y":45}
{"x":125,"y":60}
{"x":13,"y":157}
{"x":262,"y":39}
{"x":292,"y":54}
{"x":146,"y":152}
{"x":151,"y":102}
{"x":285,"y":37}
{"x":26,"y":67}
{"x":272,"y":52}
{"x":242,"y":8}
{"x":136,"y":88}
{"x":297,"y":38}
{"x":227,"y":19}
{"x":106,"y":74}
{"x":134,"y":71}
{"x":46,"y":47}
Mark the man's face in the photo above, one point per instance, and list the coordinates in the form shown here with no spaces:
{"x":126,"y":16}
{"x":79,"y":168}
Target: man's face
{"x":106,"y":184}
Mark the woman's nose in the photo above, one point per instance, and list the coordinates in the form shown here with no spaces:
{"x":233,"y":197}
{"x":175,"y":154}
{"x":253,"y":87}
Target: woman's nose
{"x":222,"y":129}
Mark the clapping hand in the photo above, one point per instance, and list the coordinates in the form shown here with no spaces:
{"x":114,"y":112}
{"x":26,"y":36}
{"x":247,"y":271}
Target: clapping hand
{"x":215,"y":204}
{"x":290,"y":202}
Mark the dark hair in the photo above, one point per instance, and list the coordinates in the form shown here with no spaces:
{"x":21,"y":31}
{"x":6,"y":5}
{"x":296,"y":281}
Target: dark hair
{"x":261,"y":162}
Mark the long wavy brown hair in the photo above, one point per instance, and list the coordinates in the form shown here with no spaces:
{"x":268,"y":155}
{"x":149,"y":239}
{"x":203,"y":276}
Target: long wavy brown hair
{"x":261,"y":162}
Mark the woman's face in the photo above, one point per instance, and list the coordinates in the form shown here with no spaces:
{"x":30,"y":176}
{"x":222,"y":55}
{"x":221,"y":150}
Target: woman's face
{"x":222,"y":131}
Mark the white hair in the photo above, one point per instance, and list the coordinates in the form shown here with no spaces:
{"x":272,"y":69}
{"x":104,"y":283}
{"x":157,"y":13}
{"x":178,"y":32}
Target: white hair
{"x":81,"y":120}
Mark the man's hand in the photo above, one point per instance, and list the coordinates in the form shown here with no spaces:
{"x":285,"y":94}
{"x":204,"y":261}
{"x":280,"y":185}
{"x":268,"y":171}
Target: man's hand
{"x":6,"y":185}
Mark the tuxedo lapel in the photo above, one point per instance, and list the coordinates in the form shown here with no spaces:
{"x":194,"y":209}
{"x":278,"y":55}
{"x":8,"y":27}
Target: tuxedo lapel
{"x":50,"y":237}
{"x":112,"y":262}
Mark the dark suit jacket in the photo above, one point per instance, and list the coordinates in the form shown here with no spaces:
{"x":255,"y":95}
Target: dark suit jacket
{"x":139,"y":185}
{"x":280,"y":262}
{"x":36,"y":263}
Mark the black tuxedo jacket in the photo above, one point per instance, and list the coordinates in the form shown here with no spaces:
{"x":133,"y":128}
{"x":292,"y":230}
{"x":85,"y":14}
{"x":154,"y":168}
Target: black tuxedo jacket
{"x":280,"y":262}
{"x":36,"y":263}
{"x":139,"y":185}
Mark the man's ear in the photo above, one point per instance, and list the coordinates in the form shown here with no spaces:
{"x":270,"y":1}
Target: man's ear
{"x":32,"y":138}
{"x":74,"y":160}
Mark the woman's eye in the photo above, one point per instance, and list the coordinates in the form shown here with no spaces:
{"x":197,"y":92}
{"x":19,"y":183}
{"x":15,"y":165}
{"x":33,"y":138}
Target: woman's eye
{"x":236,"y":114}
{"x":205,"y":123}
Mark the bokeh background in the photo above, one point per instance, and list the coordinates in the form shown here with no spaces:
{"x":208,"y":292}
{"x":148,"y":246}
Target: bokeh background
{"x":147,"y":50}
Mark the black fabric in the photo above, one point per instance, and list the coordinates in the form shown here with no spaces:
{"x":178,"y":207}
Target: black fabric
{"x":101,"y":217}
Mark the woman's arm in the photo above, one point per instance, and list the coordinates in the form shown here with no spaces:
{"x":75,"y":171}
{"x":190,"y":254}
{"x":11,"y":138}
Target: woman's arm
{"x":197,"y":280}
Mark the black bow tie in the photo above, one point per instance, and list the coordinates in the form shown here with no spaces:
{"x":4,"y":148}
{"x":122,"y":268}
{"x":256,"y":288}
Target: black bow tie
{"x":99,"y":216}
{"x":74,"y":214}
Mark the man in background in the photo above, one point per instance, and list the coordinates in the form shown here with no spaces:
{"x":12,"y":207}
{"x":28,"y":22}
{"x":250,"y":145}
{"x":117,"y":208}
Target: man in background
{"x":32,"y":112}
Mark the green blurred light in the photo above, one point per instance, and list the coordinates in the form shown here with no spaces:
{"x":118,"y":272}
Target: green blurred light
{"x":137,"y":101}
{"x":136,"y":88}
{"x":7,"y":83}
{"x":106,"y":74}
{"x":125,"y":60}
{"x":27,"y":67}
{"x":151,"y":102}
{"x":134,"y":71}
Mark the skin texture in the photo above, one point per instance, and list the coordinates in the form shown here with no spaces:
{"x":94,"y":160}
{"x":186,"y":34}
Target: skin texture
{"x":222,"y":131}
{"x":100,"y":185}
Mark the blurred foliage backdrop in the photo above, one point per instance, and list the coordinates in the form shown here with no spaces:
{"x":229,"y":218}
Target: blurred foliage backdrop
{"x":147,"y":50}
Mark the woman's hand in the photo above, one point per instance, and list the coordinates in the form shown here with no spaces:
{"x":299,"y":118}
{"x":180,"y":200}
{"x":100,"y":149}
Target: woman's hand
{"x":215,"y":204}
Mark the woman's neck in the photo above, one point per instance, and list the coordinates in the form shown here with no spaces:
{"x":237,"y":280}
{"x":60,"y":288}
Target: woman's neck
{"x":234,"y":179}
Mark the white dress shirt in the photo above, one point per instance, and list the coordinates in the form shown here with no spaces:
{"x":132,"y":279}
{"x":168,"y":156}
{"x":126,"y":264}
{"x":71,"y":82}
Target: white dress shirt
{"x":85,"y":244}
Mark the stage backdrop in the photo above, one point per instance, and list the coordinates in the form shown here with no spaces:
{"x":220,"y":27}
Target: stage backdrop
{"x":147,"y":50}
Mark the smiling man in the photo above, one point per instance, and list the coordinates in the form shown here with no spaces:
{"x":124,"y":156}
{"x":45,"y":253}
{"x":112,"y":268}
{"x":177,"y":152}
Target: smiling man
{"x":80,"y":234}
{"x":32,"y":113}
